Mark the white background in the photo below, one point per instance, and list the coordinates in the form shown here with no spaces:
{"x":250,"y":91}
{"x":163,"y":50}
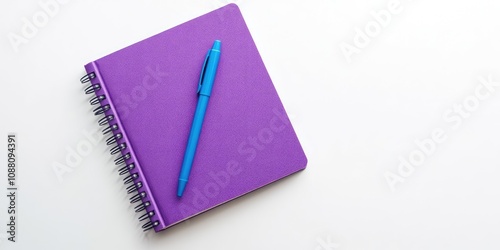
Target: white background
{"x":354,"y":119}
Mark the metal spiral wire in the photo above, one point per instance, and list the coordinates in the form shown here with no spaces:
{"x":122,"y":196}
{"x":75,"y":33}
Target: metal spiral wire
{"x":120,"y":147}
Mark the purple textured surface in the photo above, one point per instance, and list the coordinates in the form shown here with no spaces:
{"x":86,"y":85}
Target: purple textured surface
{"x":247,"y":140}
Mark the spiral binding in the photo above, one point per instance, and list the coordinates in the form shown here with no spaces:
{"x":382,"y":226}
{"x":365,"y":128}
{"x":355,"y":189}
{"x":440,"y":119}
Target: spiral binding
{"x":120,"y":147}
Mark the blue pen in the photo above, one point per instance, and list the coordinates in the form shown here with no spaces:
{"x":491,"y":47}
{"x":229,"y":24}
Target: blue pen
{"x":207,"y":79}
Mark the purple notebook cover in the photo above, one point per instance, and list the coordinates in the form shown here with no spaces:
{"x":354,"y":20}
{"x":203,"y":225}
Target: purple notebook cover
{"x":247,"y":140}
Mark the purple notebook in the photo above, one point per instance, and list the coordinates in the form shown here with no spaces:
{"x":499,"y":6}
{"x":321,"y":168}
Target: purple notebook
{"x":146,"y":95}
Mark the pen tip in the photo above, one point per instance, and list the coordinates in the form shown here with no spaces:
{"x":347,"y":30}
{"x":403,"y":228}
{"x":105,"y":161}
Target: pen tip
{"x":181,"y":187}
{"x":216,"y":45}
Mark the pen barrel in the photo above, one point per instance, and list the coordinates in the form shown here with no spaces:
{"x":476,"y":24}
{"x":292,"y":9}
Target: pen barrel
{"x":194,"y":136}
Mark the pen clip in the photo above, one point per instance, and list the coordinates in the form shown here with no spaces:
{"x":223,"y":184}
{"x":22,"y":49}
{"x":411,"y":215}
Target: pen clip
{"x":203,"y":69}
